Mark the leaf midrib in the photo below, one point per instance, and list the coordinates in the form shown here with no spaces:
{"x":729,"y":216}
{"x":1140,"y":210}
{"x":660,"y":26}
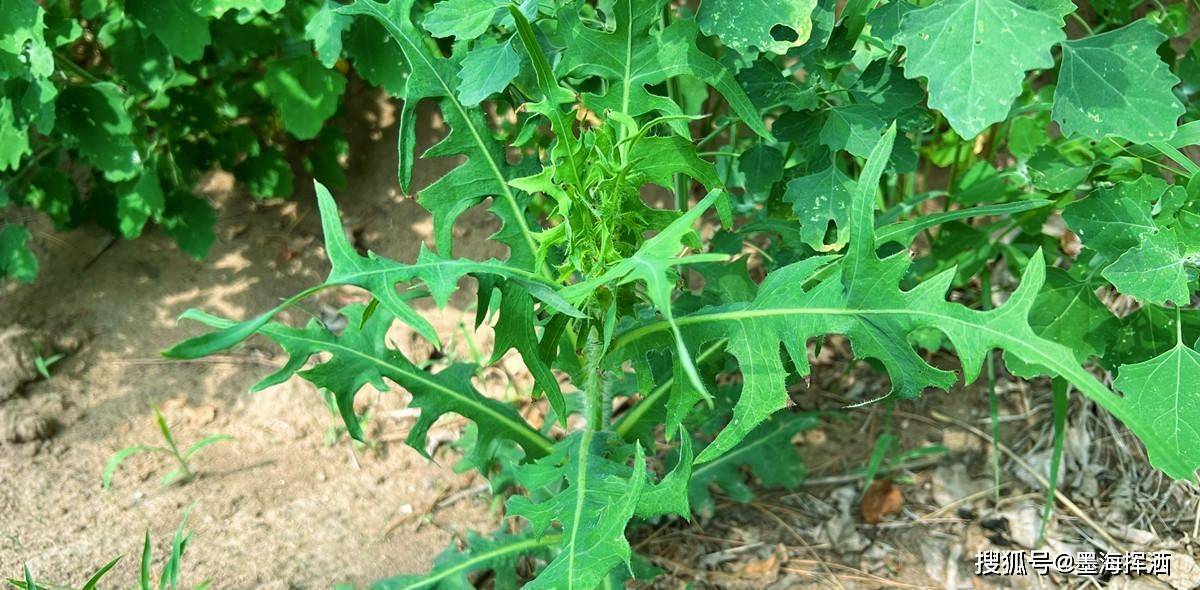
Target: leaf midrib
{"x":1049,"y":361}
{"x":581,"y":490}
{"x":471,"y":562}
{"x":416,"y":268}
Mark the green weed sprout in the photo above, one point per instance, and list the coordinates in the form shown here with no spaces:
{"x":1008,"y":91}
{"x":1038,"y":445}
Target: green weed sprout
{"x":182,"y":473}
{"x":28,"y":582}
{"x":168,"y":578}
{"x":43,"y":363}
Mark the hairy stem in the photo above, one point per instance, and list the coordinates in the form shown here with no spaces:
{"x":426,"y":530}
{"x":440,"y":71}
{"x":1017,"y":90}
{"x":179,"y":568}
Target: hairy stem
{"x":593,"y":382}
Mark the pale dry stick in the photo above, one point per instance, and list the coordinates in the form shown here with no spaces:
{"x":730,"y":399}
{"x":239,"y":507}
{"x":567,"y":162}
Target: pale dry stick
{"x":1158,"y":510}
{"x":903,"y":524}
{"x":883,"y":582}
{"x":48,"y":236}
{"x":442,"y":493}
{"x":655,"y":535}
{"x":402,"y":414}
{"x":961,"y":501}
{"x":726,"y":501}
{"x":800,"y":539}
{"x":112,"y":241}
{"x":1002,"y":502}
{"x":1011,"y":417}
{"x":730,"y":551}
{"x":454,"y":498}
{"x":1196,"y":523}
{"x":1060,"y":496}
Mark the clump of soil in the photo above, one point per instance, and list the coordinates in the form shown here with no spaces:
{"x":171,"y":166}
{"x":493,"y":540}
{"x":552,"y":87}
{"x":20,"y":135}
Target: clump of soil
{"x":20,"y":350}
{"x":17,"y":361}
{"x":23,"y":427}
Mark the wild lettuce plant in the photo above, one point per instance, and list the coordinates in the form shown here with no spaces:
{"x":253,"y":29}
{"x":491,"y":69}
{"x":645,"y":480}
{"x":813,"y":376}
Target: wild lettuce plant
{"x":881,"y":174}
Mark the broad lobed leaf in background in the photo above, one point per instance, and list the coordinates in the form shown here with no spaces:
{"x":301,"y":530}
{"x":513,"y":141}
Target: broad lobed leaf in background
{"x":1114,"y":83}
{"x":462,"y":19}
{"x":139,"y":98}
{"x":305,"y":92}
{"x":768,"y":87}
{"x":174,"y":22}
{"x":750,"y":26}
{"x":1160,"y":395}
{"x":819,"y":199}
{"x":1151,"y":257}
{"x":22,"y":43}
{"x":1149,"y":332}
{"x":1068,"y":312}
{"x":139,"y":201}
{"x":488,"y":70}
{"x":975,"y":53}
{"x":94,"y":120}
{"x":16,"y":260}
{"x":1112,"y":220}
{"x":14,"y":143}
{"x":1158,"y":270}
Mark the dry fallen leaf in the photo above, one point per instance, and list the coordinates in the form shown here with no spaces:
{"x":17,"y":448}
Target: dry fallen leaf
{"x":881,"y":499}
{"x":762,"y":568}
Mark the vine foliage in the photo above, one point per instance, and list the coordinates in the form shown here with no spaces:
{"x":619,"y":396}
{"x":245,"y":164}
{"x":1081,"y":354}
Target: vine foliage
{"x":111,"y":111}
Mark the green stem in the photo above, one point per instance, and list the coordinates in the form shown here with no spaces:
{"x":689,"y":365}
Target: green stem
{"x":64,"y":62}
{"x":715,"y":132}
{"x":680,"y":181}
{"x":985,"y":288}
{"x":733,"y":137}
{"x":28,"y":167}
{"x":998,"y":132}
{"x":1083,"y":23}
{"x":1059,"y":387}
{"x":593,"y":382}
